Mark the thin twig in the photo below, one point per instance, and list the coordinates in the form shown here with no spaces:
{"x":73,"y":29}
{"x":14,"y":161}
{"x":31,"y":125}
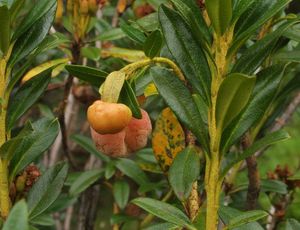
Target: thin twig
{"x":62,"y":119}
{"x":68,"y":218}
{"x":286,"y":116}
{"x":58,"y":224}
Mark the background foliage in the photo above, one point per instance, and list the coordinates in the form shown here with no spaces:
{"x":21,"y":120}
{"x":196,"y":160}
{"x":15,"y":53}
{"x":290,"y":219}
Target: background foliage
{"x":54,"y":56}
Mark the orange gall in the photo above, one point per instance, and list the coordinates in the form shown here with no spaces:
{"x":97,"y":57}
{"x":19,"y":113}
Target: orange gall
{"x":108,"y":118}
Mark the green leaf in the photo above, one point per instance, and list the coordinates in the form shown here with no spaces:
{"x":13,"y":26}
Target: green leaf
{"x":275,"y":186}
{"x":61,"y":203}
{"x":262,"y":143}
{"x":186,"y":51}
{"x":256,"y":54}
{"x":85,"y":180}
{"x":256,"y":15}
{"x":230,"y":215}
{"x":191,"y":13}
{"x":233,"y":96}
{"x":92,"y":53}
{"x":9,"y":147}
{"x":15,"y":9}
{"x":220,"y":13}
{"x":153,"y":44}
{"x":43,"y":220}
{"x":293,"y":33}
{"x":246,"y":217}
{"x":88,"y":74}
{"x":184,"y":170}
{"x":292,"y":224}
{"x":110,"y":170}
{"x":26,"y":96}
{"x":31,"y":227}
{"x":52,"y":41}
{"x":133,"y":33}
{"x":162,"y":226}
{"x":266,"y":185}
{"x":132,"y":170}
{"x":121,"y":218}
{"x":39,"y":10}
{"x":288,"y":56}
{"x":46,"y":190}
{"x":153,"y":186}
{"x":240,"y":6}
{"x":7,"y":3}
{"x":18,"y":217}
{"x":121,"y":192}
{"x":127,"y":97}
{"x":4,"y":29}
{"x":148,"y":23}
{"x":266,"y":87}
{"x":112,"y":34}
{"x":32,"y":145}
{"x":201,"y":106}
{"x":179,"y":98}
{"x":33,"y":35}
{"x":87,"y":144}
{"x":164,"y":211}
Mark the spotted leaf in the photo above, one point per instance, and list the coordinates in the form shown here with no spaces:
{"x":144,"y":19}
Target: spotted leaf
{"x":168,"y":139}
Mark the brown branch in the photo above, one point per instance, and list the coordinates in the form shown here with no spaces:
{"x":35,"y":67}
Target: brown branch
{"x":61,"y":118}
{"x":253,"y":176}
{"x":54,"y":86}
{"x":254,"y":182}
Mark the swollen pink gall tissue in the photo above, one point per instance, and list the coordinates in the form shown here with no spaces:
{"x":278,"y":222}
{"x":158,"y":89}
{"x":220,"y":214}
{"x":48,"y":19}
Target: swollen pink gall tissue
{"x":132,"y":138}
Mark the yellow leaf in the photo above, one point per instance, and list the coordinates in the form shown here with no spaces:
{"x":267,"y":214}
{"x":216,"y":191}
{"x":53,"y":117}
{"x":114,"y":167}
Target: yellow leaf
{"x":121,"y":6}
{"x":112,"y":86}
{"x":58,"y":69}
{"x":125,"y":54}
{"x":59,"y":11}
{"x":150,"y":90}
{"x":168,"y":139}
{"x":40,"y":68}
